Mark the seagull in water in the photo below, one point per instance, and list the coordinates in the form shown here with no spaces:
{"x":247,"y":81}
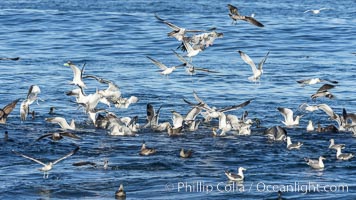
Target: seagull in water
{"x":315,"y":164}
{"x":335,"y":146}
{"x":234,"y":15}
{"x":4,"y":112}
{"x":236,"y":177}
{"x":146,"y":151}
{"x":257,"y":72}
{"x":165,"y":70}
{"x":343,"y":156}
{"x":185,"y":154}
{"x":315,"y":12}
{"x":120,"y":193}
{"x":58,"y":136}
{"x":288,"y":117}
{"x":291,"y":146}
{"x":47,"y":167}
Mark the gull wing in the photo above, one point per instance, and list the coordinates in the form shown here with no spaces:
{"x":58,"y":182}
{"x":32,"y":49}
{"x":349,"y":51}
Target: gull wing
{"x":307,"y":11}
{"x":187,"y":46}
{"x":60,"y":120}
{"x":235,"y":107}
{"x":329,"y":111}
{"x":84,"y":163}
{"x":287,"y":113}
{"x":205,"y":70}
{"x":66,"y":156}
{"x":177,"y":119}
{"x":253,"y":21}
{"x":157,"y":63}
{"x":28,"y":157}
{"x":43,"y":136}
{"x":192,"y":114}
{"x":100,"y":80}
{"x":249,"y":61}
{"x":181,"y":58}
{"x":172,"y":26}
{"x":331,"y":81}
{"x":325,"y":87}
{"x":260,"y":65}
{"x":233,"y":10}
{"x":150,"y":112}
{"x":68,"y":134}
{"x":9,"y":107}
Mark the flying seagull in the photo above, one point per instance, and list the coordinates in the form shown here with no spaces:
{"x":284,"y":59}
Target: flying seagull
{"x":234,"y":15}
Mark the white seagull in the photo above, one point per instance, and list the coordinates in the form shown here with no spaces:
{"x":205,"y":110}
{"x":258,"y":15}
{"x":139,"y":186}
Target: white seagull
{"x":62,"y":122}
{"x":288,"y":117}
{"x":165,"y":70}
{"x":343,"y":156}
{"x":257,"y":72}
{"x":236,"y":177}
{"x":317,"y":11}
{"x":291,"y":146}
{"x":316,"y":164}
{"x":47,"y":167}
{"x":335,"y":146}
{"x":77,"y":74}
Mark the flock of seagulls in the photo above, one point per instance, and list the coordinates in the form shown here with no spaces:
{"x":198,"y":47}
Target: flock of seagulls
{"x":200,"y":112}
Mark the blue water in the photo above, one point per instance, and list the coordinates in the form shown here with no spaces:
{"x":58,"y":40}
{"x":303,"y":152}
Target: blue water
{"x":114,"y":38}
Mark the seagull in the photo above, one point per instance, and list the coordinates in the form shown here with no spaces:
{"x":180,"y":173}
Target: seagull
{"x":343,"y":156}
{"x":120,"y":193}
{"x":32,"y":96}
{"x":78,"y":74}
{"x":185,"y":154}
{"x":78,"y":164}
{"x":152,"y":116}
{"x":310,"y":126}
{"x":191,"y":69}
{"x":316,"y":11}
{"x":178,"y":32}
{"x":291,"y":146}
{"x":62,"y":122}
{"x":191,"y":52}
{"x":165,"y":70}
{"x":257,"y":72}
{"x":316,"y":164}
{"x":58,"y":136}
{"x":5,"y":111}
{"x":288,"y":117}
{"x":47,"y":167}
{"x":335,"y":146}
{"x":313,"y":81}
{"x":323,"y":92}
{"x":234,"y":15}
{"x":236,"y":177}
{"x":146,"y":151}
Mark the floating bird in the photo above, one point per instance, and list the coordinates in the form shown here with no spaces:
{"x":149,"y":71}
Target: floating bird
{"x":120,"y":193}
{"x":257,"y":72}
{"x":77,"y":74}
{"x":47,"y":167}
{"x":62,"y":122}
{"x":291,"y":146}
{"x":4,"y":112}
{"x":335,"y":146}
{"x":236,"y":177}
{"x":316,"y":164}
{"x":315,"y":12}
{"x":315,"y":81}
{"x":185,"y":154}
{"x":288,"y":117}
{"x":146,"y":151}
{"x":165,"y":70}
{"x":58,"y":136}
{"x":234,"y":15}
{"x":310,"y":127}
{"x":343,"y":156}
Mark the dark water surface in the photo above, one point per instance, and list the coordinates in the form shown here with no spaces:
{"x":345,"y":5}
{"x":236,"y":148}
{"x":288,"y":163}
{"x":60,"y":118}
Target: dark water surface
{"x":114,"y":38}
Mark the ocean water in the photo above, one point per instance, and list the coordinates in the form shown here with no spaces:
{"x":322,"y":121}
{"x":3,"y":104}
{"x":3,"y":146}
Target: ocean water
{"x":113,"y":38}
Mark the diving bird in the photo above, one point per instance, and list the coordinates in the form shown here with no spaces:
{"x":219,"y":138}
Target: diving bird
{"x":5,"y":111}
{"x":165,"y":70}
{"x":236,"y":177}
{"x":288,"y":117}
{"x":315,"y":164}
{"x":234,"y":15}
{"x":257,"y":72}
{"x":47,"y":167}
